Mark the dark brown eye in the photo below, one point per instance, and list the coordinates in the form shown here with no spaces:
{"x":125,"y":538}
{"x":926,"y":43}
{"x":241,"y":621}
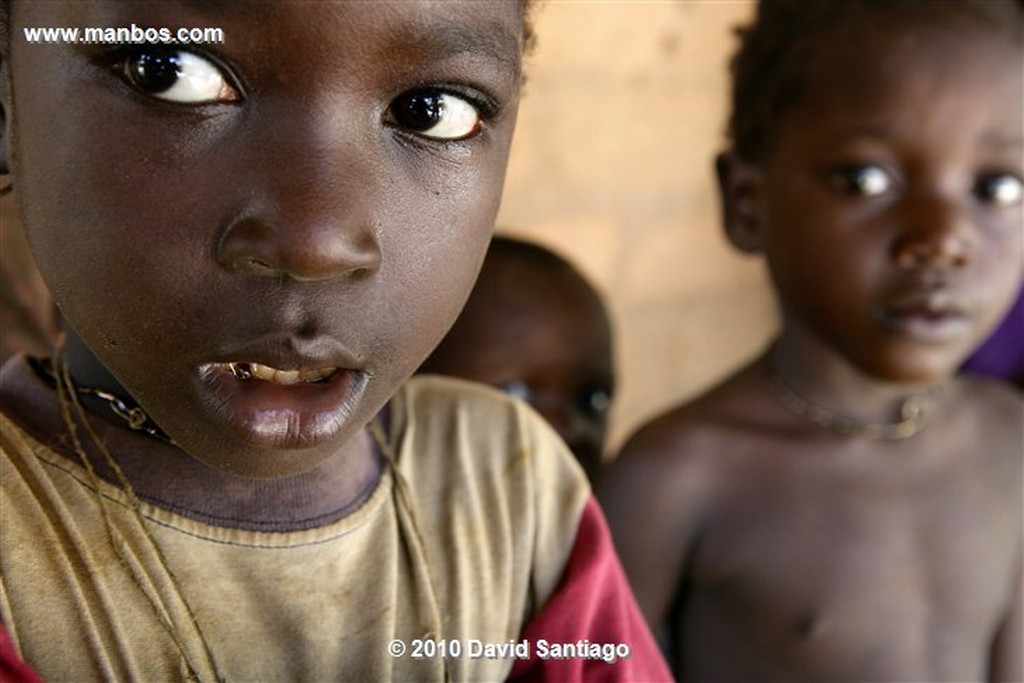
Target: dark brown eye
{"x":419,"y":111}
{"x":177,"y":76}
{"x":518,"y":389}
{"x":435,"y":114}
{"x":594,"y":401}
{"x":999,"y":189}
{"x":864,"y":180}
{"x":154,"y":72}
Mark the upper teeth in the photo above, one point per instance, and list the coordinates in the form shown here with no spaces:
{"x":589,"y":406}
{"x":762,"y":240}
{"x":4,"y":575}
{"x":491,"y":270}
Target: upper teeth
{"x":265,"y":372}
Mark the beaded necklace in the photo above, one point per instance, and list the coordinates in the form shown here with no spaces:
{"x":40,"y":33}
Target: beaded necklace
{"x":913,"y":413}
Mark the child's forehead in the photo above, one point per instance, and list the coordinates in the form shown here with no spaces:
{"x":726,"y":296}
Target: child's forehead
{"x":791,"y":41}
{"x":874,"y":64}
{"x":503,"y":268}
{"x":534,"y":287}
{"x":489,"y":27}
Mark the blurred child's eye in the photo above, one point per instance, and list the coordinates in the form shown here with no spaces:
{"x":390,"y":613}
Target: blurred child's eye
{"x":435,"y":114}
{"x":1000,"y":189}
{"x":867,"y":181}
{"x":178,"y":76}
{"x":594,"y":402}
{"x":517,"y":389}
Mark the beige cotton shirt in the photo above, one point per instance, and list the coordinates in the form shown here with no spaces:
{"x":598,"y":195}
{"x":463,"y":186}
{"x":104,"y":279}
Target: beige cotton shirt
{"x":495,"y":498}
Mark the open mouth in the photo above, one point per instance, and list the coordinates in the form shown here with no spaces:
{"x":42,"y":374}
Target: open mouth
{"x":280,"y":407}
{"x":258,"y":371}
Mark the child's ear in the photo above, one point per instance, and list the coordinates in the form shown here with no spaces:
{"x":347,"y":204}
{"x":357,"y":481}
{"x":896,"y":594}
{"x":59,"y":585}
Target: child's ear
{"x":739,"y":187}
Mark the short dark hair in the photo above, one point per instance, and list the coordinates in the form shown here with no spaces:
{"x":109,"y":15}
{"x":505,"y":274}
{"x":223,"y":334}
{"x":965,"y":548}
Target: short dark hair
{"x":508,"y":247}
{"x":767,"y":69}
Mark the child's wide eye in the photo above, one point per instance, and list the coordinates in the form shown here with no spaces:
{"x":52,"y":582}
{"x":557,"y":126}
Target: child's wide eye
{"x":1000,"y":189}
{"x":435,"y":114}
{"x":517,"y":389}
{"x":594,"y":401}
{"x":867,"y":181}
{"x":177,"y":76}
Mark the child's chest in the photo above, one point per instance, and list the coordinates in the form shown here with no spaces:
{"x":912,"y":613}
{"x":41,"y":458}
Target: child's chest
{"x":893,"y":566}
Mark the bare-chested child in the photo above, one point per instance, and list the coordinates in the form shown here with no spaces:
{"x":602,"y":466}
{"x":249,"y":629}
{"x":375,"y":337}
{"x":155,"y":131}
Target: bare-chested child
{"x":844,"y":509}
{"x":536,"y":329}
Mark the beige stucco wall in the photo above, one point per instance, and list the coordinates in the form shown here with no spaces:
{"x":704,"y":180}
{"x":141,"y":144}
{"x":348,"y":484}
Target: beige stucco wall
{"x":612,"y":166}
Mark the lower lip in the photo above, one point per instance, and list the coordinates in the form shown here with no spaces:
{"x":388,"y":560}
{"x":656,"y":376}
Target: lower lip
{"x":272,"y":415}
{"x":923,"y":327}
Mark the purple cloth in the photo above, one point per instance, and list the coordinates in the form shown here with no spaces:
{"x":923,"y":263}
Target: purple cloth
{"x":1002,"y":355}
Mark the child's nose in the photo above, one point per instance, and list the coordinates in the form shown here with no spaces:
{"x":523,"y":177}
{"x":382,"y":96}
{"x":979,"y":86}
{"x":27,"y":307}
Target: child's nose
{"x":319,"y":251}
{"x":938,"y":232}
{"x":311,"y":212}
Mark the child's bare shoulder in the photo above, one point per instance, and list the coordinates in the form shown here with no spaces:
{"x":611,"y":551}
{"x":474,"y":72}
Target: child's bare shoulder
{"x":682,"y":459}
{"x":702,"y":433}
{"x":994,"y":403}
{"x":669,"y":477}
{"x":991,"y":419}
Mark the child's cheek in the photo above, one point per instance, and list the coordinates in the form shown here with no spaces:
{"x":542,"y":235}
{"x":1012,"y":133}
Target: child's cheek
{"x":438,"y":243}
{"x":436,"y":258}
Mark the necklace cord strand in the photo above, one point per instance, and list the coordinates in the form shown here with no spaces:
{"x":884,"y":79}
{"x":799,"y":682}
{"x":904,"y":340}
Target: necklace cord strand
{"x":127,"y":411}
{"x":68,"y":397}
{"x":407,"y":512}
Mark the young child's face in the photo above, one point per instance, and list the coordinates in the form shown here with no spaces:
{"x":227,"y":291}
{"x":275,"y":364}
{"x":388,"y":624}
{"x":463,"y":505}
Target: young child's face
{"x":314,"y":194}
{"x":543,"y":337}
{"x":890,"y":201}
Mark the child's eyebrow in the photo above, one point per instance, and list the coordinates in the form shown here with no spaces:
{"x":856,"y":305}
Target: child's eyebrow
{"x":990,"y":140}
{"x":997,"y":142}
{"x":875,"y":132}
{"x":437,"y":39}
{"x":494,"y":41}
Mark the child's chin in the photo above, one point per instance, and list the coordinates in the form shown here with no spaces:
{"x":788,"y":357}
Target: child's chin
{"x":265,"y":459}
{"x":919,"y":369}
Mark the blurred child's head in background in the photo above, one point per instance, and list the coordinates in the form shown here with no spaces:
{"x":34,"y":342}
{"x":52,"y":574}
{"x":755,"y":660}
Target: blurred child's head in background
{"x":535,"y":328}
{"x":876,"y":161}
{"x":780,"y":52}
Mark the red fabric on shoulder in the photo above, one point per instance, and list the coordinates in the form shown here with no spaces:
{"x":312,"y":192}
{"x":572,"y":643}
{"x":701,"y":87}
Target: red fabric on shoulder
{"x":593,"y":607}
{"x":12,"y":668}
